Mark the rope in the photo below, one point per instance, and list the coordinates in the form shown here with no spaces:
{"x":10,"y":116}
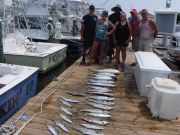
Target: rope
{"x":9,"y":129}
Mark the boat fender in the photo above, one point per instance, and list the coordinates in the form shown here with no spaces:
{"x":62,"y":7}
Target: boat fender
{"x":50,"y":28}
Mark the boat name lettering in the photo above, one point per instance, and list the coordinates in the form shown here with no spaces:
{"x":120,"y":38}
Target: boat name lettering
{"x":29,"y":87}
{"x":55,"y":58}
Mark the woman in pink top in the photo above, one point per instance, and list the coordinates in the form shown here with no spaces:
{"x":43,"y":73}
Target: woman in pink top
{"x":148,"y":32}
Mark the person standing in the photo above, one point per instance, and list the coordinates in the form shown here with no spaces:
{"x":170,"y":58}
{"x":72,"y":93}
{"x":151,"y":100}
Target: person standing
{"x":87,"y":31}
{"x":134,"y":22}
{"x":114,"y":18}
{"x":101,"y":36}
{"x":148,"y":32}
{"x":122,"y":37}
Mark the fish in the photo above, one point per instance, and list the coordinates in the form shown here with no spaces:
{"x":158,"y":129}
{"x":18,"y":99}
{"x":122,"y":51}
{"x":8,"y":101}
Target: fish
{"x":86,"y":131}
{"x":100,"y":106}
{"x":101,"y":84}
{"x":95,"y":121}
{"x":52,"y":130}
{"x":101,"y":102}
{"x":66,"y":111}
{"x":98,"y":88}
{"x":101,"y":93}
{"x":105,"y":74}
{"x":101,"y":115}
{"x":107,"y":78}
{"x":65,"y":118}
{"x":112,"y":71}
{"x":101,"y":81}
{"x":102,"y":98}
{"x":65,"y":103}
{"x":90,"y":126}
{"x":94,"y":111}
{"x":61,"y":125}
{"x":76,"y":94}
{"x":69,"y":100}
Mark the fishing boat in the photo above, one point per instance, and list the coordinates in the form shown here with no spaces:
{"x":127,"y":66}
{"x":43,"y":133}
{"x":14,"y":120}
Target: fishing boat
{"x":17,"y":85}
{"x":19,"y":50}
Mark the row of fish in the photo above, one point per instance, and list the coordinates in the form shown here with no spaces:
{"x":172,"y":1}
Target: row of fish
{"x":98,"y":97}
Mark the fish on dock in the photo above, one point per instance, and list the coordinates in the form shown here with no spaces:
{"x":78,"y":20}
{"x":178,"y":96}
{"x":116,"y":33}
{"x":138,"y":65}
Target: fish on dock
{"x":98,"y":88}
{"x":61,"y":125}
{"x":105,"y":74}
{"x":100,"y":93}
{"x":107,"y":78}
{"x":101,"y":102}
{"x":101,"y":81}
{"x":76,"y":94}
{"x":86,"y":131}
{"x":91,"y":126}
{"x":102,"y":98}
{"x":52,"y":130}
{"x":100,"y":106}
{"x":65,"y":110}
{"x":101,"y":115}
{"x":62,"y":116}
{"x":94,"y":111}
{"x":100,"y":84}
{"x":112,"y":71}
{"x":96,"y":121}
{"x":65,"y":103}
{"x":69,"y":100}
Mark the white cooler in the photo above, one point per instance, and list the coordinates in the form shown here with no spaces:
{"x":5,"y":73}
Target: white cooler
{"x":148,"y":66}
{"x":164,"y":98}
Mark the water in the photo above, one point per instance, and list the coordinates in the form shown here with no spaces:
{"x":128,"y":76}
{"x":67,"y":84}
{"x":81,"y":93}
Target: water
{"x":45,"y":79}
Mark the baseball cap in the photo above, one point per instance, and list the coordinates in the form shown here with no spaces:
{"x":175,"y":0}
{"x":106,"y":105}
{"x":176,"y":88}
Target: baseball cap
{"x":133,"y":11}
{"x":92,"y":7}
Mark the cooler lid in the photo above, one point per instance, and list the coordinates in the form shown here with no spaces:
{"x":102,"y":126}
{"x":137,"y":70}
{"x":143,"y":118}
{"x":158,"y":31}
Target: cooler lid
{"x":148,"y":61}
{"x":165,"y":83}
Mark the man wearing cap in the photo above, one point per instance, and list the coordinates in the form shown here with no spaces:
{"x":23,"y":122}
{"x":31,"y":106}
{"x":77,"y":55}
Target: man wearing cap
{"x":134,"y":22}
{"x":88,"y":25}
{"x":148,"y":32}
{"x":115,"y":19}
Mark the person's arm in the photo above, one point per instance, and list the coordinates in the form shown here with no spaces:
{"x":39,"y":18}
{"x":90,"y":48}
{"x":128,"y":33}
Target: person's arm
{"x":154,"y":28}
{"x":112,"y":26}
{"x":130,"y":33}
{"x":82,"y":29}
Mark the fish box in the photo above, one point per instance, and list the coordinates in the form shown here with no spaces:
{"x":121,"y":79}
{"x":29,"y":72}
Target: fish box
{"x":17,"y":85}
{"x":148,"y":66}
{"x":164,"y":98}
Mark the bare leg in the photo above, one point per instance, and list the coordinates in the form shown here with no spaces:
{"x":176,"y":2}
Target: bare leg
{"x":117,"y":55}
{"x":102,"y":49}
{"x":93,"y":51}
{"x":123,"y":53}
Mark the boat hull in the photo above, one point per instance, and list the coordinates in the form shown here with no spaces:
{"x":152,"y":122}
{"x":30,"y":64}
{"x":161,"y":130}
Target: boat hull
{"x":43,"y":63}
{"x":12,"y":100}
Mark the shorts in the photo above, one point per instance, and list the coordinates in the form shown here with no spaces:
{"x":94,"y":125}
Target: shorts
{"x":121,"y":44}
{"x":146,"y":45}
{"x":100,"y":40}
{"x":135,"y":43}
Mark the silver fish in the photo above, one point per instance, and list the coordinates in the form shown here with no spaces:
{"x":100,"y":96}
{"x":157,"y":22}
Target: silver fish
{"x":112,"y":71}
{"x":66,"y":111}
{"x":52,"y":130}
{"x":76,"y":94}
{"x":101,"y":81}
{"x":61,"y":125}
{"x":94,"y":111}
{"x":107,"y":78}
{"x":95,"y":121}
{"x":98,"y":88}
{"x":69,"y":100}
{"x":86,"y":131}
{"x":101,"y":93}
{"x":100,"y":106}
{"x":101,"y":115}
{"x":90,"y":126}
{"x":106,"y":74}
{"x":101,"y":102}
{"x":101,"y":84}
{"x":102,"y":98}
{"x":65,"y":103}
{"x":65,"y":118}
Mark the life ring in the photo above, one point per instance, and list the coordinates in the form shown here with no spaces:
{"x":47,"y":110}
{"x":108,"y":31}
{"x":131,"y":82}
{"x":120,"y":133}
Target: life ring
{"x":50,"y":28}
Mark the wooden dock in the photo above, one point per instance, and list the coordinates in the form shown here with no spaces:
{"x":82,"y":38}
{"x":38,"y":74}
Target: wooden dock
{"x":130,"y":116}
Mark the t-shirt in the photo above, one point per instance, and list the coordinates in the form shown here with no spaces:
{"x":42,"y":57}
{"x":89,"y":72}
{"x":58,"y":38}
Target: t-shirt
{"x":135,"y":26}
{"x":89,"y":26}
{"x":114,"y":18}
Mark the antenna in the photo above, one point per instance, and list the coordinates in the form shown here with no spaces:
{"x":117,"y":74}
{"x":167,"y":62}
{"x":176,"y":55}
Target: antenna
{"x":168,"y":3}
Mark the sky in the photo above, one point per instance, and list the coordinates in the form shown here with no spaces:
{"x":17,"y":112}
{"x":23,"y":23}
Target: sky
{"x":126,"y":5}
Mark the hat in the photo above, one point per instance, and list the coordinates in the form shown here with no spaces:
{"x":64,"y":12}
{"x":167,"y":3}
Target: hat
{"x":133,"y":11}
{"x":144,"y":11}
{"x":92,"y":7}
{"x":117,"y":7}
{"x":105,"y":13}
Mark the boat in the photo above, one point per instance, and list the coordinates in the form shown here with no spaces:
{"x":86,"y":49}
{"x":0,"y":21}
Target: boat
{"x":45,"y":56}
{"x":17,"y":85}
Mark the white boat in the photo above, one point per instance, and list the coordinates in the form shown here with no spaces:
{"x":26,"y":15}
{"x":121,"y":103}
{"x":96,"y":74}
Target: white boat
{"x":19,"y":50}
{"x":17,"y":85}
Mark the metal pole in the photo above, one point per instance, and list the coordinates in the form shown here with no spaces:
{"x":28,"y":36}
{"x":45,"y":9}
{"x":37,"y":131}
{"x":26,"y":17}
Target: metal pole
{"x":165,"y":38}
{"x":1,"y":43}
